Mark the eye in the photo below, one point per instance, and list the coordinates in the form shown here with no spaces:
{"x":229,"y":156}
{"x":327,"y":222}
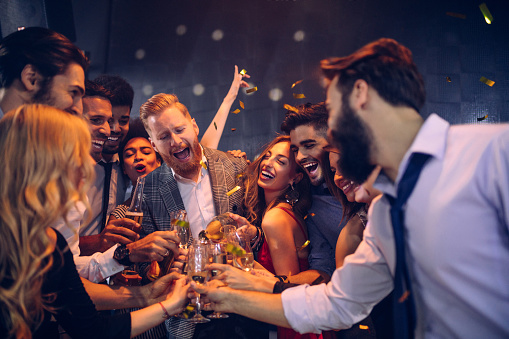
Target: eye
{"x":309,"y":146}
{"x":123,"y":121}
{"x":96,"y":121}
{"x":180,"y":130}
{"x":128,"y":154}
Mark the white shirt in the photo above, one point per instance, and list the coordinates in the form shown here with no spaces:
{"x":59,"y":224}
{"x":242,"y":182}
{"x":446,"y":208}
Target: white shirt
{"x":95,"y":268}
{"x":197,"y":199}
{"x":457,"y":242}
{"x":95,"y":196}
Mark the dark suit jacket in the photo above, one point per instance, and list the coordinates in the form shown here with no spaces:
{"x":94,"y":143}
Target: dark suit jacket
{"x":161,"y":194}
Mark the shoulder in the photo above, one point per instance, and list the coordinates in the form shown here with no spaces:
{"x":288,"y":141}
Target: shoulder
{"x":161,"y":173}
{"x":276,"y":219}
{"x":216,"y":155}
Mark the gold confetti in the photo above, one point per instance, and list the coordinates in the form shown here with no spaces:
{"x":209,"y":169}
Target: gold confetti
{"x":296,"y":83}
{"x":487,"y":81}
{"x":404,"y":296}
{"x":251,"y":90}
{"x":243,"y":72}
{"x":448,"y":79}
{"x":241,"y":104}
{"x":486,"y":12}
{"x":215,"y":126}
{"x":456,"y":15}
{"x":233,"y":190}
{"x":291,"y":108}
{"x":363,"y":327}
{"x":237,"y":111}
{"x":311,"y":214}
{"x":234,"y":129}
{"x":482,"y":118}
{"x":299,"y":96}
{"x":303,"y":245}
{"x":240,"y":175}
{"x":203,"y":164}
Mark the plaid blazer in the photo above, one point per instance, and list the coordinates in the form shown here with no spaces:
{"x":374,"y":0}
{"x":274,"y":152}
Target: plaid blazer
{"x":161,"y":194}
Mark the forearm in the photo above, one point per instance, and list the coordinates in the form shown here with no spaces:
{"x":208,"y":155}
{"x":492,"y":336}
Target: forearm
{"x":309,"y":277}
{"x":151,"y":316}
{"x":264,"y":307}
{"x":110,"y":298}
{"x":212,"y":135}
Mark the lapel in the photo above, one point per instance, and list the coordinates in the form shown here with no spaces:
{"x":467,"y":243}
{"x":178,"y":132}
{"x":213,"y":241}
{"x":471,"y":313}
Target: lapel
{"x":218,"y":180}
{"x":170,"y":194}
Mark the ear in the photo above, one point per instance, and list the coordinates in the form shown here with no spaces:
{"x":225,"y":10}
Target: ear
{"x":359,"y":96}
{"x":195,"y":126}
{"x":153,"y":145}
{"x":30,"y":78}
{"x":297,"y":178}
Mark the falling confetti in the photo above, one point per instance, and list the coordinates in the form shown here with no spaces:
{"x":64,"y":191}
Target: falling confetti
{"x":482,"y":118}
{"x":296,"y":83}
{"x":203,"y":164}
{"x":456,"y":15}
{"x":487,"y":81}
{"x":233,"y":190}
{"x":215,"y":126}
{"x":303,"y":245}
{"x":234,"y":129}
{"x":448,"y":79}
{"x":241,"y":104}
{"x":311,"y":214}
{"x":291,"y":108}
{"x":240,"y":175}
{"x":363,"y":327}
{"x":486,"y":12}
{"x":237,"y":111}
{"x":251,"y":90}
{"x":243,"y":72}
{"x":299,"y":96}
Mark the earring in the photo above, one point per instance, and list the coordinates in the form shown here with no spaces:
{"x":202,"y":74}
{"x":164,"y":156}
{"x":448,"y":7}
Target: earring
{"x":293,"y":196}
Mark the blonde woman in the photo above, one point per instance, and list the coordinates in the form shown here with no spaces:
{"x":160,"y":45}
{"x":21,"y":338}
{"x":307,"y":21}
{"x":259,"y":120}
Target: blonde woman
{"x":47,"y":169}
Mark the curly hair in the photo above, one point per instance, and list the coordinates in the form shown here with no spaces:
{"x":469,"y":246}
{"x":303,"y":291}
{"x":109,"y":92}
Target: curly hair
{"x":48,"y":152}
{"x":254,"y":199}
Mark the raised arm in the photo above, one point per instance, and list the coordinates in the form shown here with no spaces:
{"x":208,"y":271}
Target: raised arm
{"x":212,"y":135}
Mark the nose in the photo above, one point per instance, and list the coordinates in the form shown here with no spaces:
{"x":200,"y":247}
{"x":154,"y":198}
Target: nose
{"x":115,"y":127}
{"x":105,"y":129}
{"x":138,"y":156}
{"x":76,"y":108}
{"x":299,"y":156}
{"x":175,"y":140}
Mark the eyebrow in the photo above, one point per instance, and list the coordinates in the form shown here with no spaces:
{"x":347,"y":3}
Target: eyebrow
{"x":307,"y":141}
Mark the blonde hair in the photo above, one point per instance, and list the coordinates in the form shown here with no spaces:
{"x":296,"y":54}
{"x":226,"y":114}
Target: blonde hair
{"x":46,"y":153}
{"x":158,"y":103}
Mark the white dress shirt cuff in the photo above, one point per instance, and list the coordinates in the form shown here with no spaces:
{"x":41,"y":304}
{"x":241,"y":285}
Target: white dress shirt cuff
{"x":98,"y":266}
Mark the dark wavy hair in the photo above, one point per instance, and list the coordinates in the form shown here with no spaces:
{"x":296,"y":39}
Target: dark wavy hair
{"x":123,"y":93}
{"x":48,"y":51}
{"x":254,"y":199}
{"x":385,"y":65}
{"x":315,"y":115}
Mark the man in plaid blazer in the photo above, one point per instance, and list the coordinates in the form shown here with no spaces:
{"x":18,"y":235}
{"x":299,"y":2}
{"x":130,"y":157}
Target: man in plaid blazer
{"x":196,"y":179}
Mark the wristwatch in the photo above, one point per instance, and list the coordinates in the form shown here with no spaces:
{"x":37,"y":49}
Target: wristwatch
{"x":121,"y":255}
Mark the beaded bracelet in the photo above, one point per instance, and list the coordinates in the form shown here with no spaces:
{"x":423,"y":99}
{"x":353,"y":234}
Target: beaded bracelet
{"x":166,"y":315}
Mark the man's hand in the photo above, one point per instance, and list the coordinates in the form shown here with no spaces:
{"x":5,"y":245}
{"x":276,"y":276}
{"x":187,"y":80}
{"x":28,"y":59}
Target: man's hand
{"x":241,"y":280}
{"x":123,"y":231}
{"x":237,"y":153}
{"x":215,"y":295}
{"x":154,"y":247}
{"x":180,"y":261}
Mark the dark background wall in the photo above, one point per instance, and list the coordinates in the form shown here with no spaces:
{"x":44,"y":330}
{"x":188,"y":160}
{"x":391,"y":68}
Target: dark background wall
{"x":168,"y":46}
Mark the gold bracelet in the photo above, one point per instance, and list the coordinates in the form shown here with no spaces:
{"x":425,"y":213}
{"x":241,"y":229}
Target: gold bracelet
{"x":166,"y":315}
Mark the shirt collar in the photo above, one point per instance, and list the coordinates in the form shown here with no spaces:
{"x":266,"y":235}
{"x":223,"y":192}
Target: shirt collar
{"x":115,"y":159}
{"x":431,"y":139}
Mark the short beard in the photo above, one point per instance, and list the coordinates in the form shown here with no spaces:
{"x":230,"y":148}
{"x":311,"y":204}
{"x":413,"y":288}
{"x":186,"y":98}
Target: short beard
{"x":353,"y":139}
{"x":188,"y":169}
{"x":43,"y":95}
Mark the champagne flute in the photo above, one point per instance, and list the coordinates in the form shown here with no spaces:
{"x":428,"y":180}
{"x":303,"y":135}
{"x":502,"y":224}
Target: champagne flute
{"x":180,"y":223}
{"x":217,"y":255}
{"x":198,"y":259}
{"x":243,"y":257}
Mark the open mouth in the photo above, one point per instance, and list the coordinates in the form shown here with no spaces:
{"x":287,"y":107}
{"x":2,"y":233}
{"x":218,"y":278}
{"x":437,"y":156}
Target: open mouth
{"x":140,"y":168}
{"x":113,"y":140}
{"x":182,"y":154}
{"x":97,"y":144}
{"x":266,"y":175}
{"x":311,"y":167}
{"x":346,"y":185}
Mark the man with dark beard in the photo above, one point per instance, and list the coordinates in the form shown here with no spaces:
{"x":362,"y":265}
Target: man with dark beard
{"x":197,"y":179}
{"x":444,"y":250}
{"x":38,"y":65}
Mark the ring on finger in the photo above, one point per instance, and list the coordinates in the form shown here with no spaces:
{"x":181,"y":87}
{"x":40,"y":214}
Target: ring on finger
{"x":166,"y":253}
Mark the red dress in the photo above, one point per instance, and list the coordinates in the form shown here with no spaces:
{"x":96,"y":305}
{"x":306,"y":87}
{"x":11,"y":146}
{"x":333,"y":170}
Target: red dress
{"x":265,"y":260}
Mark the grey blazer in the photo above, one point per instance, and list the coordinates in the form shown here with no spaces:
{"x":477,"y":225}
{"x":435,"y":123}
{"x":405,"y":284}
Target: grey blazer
{"x":161,"y":194}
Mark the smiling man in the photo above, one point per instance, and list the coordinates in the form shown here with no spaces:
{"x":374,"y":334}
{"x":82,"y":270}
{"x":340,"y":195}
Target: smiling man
{"x":308,"y":132}
{"x":38,"y":65}
{"x":192,"y":178}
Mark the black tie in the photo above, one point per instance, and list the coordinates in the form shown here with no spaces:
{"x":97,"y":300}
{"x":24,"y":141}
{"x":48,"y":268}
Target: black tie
{"x":404,"y":306}
{"x":106,"y":192}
